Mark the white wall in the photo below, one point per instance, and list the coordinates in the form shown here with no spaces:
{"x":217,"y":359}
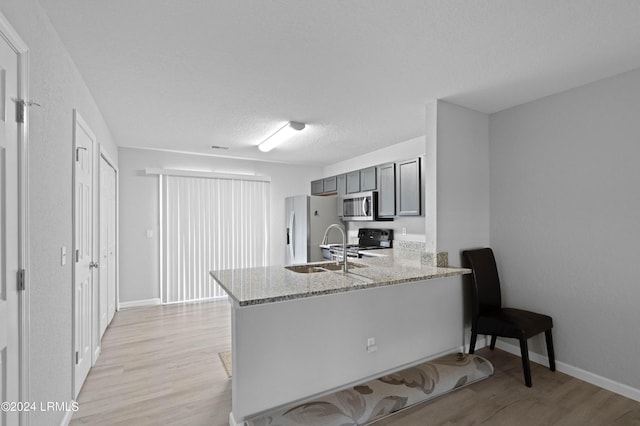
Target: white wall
{"x":457,"y":169}
{"x":139,"y":256}
{"x":56,"y":84}
{"x":400,"y":151}
{"x":457,"y":217}
{"x":431,"y":176}
{"x":462,"y":179}
{"x":565,"y":220}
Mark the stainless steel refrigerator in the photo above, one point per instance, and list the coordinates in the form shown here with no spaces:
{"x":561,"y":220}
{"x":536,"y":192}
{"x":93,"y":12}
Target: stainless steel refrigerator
{"x":307,"y":217}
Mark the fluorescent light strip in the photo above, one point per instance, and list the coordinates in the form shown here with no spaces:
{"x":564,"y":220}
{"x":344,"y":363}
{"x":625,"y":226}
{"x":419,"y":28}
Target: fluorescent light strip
{"x":284,"y":133}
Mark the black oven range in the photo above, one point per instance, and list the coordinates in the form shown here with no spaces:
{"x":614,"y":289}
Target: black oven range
{"x":368,"y":239}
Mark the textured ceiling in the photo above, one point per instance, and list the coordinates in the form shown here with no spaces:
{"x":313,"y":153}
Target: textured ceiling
{"x":188,"y":74}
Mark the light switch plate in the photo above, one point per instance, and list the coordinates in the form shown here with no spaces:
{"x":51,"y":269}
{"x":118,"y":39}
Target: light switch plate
{"x":63,"y":255}
{"x":149,"y":233}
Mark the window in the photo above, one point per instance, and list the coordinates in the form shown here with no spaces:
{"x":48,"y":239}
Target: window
{"x":210,"y":224}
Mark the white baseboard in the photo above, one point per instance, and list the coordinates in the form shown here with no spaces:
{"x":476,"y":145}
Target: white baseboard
{"x":136,"y":303}
{"x":96,"y":355}
{"x":578,"y":373}
{"x":67,"y":417}
{"x":481,"y":342}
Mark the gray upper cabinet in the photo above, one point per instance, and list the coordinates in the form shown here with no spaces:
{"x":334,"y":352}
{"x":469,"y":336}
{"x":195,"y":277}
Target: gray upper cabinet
{"x":324,"y":186}
{"x":330,"y":185}
{"x":362,"y":180}
{"x":317,"y":187}
{"x":353,"y":182}
{"x":408,"y":187}
{"x":387,"y":190}
{"x":368,"y":179}
{"x":398,"y":185}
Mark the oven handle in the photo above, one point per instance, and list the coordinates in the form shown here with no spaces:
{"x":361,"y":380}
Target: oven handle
{"x":339,"y":255}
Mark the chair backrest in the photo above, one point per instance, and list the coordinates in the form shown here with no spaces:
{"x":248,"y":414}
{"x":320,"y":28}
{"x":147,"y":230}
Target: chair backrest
{"x":486,"y":285}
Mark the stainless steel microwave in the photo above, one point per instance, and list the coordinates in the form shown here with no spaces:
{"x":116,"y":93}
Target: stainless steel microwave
{"x":360,"y":206}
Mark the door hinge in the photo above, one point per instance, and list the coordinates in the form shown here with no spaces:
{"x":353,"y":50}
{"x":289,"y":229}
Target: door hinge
{"x":77,"y":356}
{"x":21,"y":279}
{"x":77,"y":255}
{"x":20,"y":110}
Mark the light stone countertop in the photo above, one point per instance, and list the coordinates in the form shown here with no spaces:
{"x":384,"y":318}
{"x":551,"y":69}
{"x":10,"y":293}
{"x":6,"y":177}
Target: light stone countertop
{"x":255,"y":286}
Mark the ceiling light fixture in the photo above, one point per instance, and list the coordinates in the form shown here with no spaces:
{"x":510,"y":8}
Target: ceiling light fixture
{"x":284,"y":133}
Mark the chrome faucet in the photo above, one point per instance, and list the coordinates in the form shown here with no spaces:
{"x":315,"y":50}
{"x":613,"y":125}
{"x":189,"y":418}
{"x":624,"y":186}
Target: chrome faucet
{"x":344,"y":244}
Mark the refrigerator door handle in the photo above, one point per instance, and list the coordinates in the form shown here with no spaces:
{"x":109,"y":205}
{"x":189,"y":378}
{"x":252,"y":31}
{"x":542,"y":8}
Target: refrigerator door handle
{"x":292,"y":236}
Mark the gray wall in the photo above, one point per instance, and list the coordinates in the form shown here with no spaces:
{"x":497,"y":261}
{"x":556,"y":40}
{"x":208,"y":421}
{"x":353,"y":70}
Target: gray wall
{"x":139,"y":256}
{"x":56,"y":84}
{"x":462,"y":179}
{"x":565,"y":220}
{"x":457,"y":146}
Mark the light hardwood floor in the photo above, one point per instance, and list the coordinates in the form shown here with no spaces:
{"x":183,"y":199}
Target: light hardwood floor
{"x":159,"y":366}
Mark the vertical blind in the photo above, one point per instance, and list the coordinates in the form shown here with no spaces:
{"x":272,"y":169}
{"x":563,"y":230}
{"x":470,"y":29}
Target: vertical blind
{"x":210,"y":224}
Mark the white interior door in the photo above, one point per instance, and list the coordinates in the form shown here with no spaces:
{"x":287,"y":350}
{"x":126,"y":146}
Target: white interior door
{"x":84,"y":143}
{"x":104,"y":244}
{"x":112,"y":221}
{"x":9,"y":324}
{"x":107,"y":244}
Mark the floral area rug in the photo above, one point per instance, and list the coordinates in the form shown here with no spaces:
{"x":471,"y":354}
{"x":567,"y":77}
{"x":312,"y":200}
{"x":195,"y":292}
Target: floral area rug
{"x":375,"y":399}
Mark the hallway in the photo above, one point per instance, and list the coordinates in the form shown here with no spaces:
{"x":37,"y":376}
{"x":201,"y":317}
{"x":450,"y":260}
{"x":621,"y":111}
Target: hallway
{"x":160,"y":366}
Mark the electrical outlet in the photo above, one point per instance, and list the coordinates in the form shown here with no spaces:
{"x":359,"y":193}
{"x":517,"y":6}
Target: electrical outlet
{"x":404,"y":231}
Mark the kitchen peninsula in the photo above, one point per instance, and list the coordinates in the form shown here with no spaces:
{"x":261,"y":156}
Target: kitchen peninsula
{"x":303,"y":331}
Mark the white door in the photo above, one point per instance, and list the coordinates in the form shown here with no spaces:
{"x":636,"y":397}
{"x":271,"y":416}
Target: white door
{"x":112,"y":217}
{"x":104,"y":251}
{"x":84,"y":142}
{"x":107,"y":243}
{"x":9,"y":325}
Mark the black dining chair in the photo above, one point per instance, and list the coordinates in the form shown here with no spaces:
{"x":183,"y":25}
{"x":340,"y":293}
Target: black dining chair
{"x":490,"y":318}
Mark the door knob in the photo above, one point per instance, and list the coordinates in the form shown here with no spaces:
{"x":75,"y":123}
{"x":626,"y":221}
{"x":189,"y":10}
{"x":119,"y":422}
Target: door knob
{"x":94,"y":265}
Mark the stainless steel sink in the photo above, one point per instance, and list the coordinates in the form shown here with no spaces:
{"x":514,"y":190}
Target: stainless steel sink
{"x":304,"y":269}
{"x":321,"y":267}
{"x":332,"y":266}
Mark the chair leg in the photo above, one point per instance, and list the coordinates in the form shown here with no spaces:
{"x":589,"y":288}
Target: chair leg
{"x":552,"y":356}
{"x":472,"y":343}
{"x":524,"y":351}
{"x":493,"y":342}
